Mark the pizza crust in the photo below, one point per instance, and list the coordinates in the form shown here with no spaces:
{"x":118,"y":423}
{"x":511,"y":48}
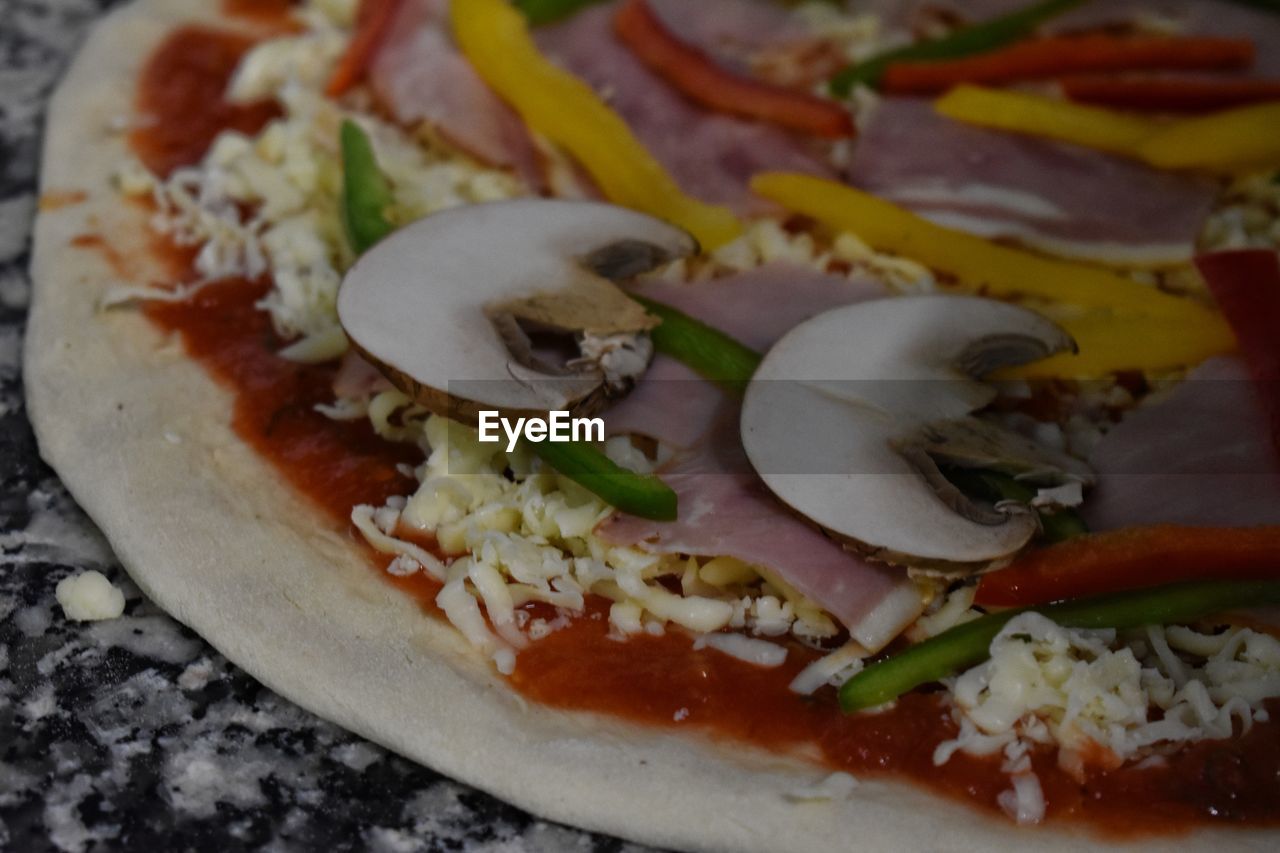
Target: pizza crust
{"x":142,"y":439}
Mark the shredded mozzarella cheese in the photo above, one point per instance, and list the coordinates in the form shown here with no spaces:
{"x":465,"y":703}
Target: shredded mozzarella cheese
{"x":1091,"y":696}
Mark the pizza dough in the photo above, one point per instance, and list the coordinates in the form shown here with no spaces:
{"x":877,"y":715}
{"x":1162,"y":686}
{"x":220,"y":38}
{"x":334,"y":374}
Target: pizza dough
{"x":141,"y":437}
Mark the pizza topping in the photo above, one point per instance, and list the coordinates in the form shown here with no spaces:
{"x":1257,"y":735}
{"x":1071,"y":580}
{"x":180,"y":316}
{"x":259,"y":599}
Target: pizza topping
{"x":366,"y":195}
{"x":496,"y":39}
{"x":970,"y":643}
{"x":1037,"y":115}
{"x":1234,"y":140}
{"x":1134,"y":558}
{"x":1030,"y":191}
{"x":978,"y":38}
{"x":673,"y":404}
{"x":1169,"y":94}
{"x":700,"y":78}
{"x":1209,"y":435}
{"x":419,"y":75}
{"x":1054,"y":56}
{"x":373,"y":25}
{"x":727,"y":511}
{"x":473,"y":308}
{"x":850,"y":412}
{"x":1136,"y":326}
{"x":1246,"y":285}
{"x":711,"y":156}
{"x":1102,"y":703}
{"x":709,"y":352}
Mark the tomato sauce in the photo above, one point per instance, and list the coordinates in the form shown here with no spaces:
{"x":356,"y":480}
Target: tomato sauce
{"x":274,"y":13}
{"x":658,"y":681}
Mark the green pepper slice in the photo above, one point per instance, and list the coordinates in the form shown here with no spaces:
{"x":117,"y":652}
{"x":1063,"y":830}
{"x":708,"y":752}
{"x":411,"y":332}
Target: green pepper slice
{"x":638,"y":494}
{"x":366,"y":195}
{"x":707,"y":350}
{"x":969,"y":644}
{"x":993,"y":486}
{"x":979,"y":38}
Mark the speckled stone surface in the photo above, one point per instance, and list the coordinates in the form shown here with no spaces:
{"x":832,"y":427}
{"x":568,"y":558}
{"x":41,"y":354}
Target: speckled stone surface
{"x":133,"y":733}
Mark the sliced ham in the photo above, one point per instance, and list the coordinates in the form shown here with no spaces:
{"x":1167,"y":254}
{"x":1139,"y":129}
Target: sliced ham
{"x":1063,"y":199}
{"x":726,"y":511}
{"x":1201,"y":456}
{"x":759,"y":306}
{"x":724,"y":508}
{"x":711,"y":156}
{"x":730,"y":30}
{"x":357,"y":379}
{"x":672,"y":403}
{"x":420,"y":76}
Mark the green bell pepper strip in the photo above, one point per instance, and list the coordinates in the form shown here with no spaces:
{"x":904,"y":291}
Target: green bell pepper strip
{"x":366,"y":195}
{"x":549,"y":11}
{"x":970,"y":643}
{"x":707,"y":350}
{"x":996,"y":486}
{"x":639,"y":494}
{"x":979,"y":38}
{"x":365,"y":198}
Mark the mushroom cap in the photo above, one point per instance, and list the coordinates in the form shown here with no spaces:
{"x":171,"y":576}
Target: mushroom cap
{"x":445,"y":306}
{"x":845,"y":413}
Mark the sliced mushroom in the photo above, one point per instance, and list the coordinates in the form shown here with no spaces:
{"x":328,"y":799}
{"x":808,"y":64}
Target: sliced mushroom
{"x":849,"y":414}
{"x":508,"y":305}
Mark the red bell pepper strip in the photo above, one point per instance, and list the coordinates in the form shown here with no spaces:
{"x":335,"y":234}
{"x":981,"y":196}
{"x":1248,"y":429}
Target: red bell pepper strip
{"x":1064,"y":55}
{"x":1169,"y":94}
{"x":373,"y":23}
{"x":1133,"y":558}
{"x":1246,"y":283}
{"x":700,"y":78}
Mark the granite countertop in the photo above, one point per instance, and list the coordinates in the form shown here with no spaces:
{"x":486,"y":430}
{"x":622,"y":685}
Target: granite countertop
{"x":134,"y":733}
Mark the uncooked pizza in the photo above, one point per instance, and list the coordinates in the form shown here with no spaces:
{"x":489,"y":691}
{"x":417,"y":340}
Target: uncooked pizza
{"x":736,"y":425}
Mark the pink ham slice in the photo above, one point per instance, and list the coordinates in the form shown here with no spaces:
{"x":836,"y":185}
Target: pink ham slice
{"x":726,"y":511}
{"x":711,"y":156}
{"x":673,"y":404}
{"x":759,"y":306}
{"x":357,"y":379}
{"x":1203,"y":456}
{"x":1062,"y":199}
{"x":724,"y":508}
{"x":420,"y":76}
{"x":730,"y":30}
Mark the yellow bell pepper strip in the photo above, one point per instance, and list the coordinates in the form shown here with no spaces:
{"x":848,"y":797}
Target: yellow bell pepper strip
{"x":1129,"y":326}
{"x":495,"y":37}
{"x":1036,"y":115}
{"x":1241,"y":139}
{"x":976,"y":263}
{"x":1233,"y":140}
{"x":1109,"y":342}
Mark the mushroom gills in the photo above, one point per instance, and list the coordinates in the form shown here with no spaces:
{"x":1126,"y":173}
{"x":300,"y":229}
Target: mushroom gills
{"x":851,"y":413}
{"x":509,"y":306}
